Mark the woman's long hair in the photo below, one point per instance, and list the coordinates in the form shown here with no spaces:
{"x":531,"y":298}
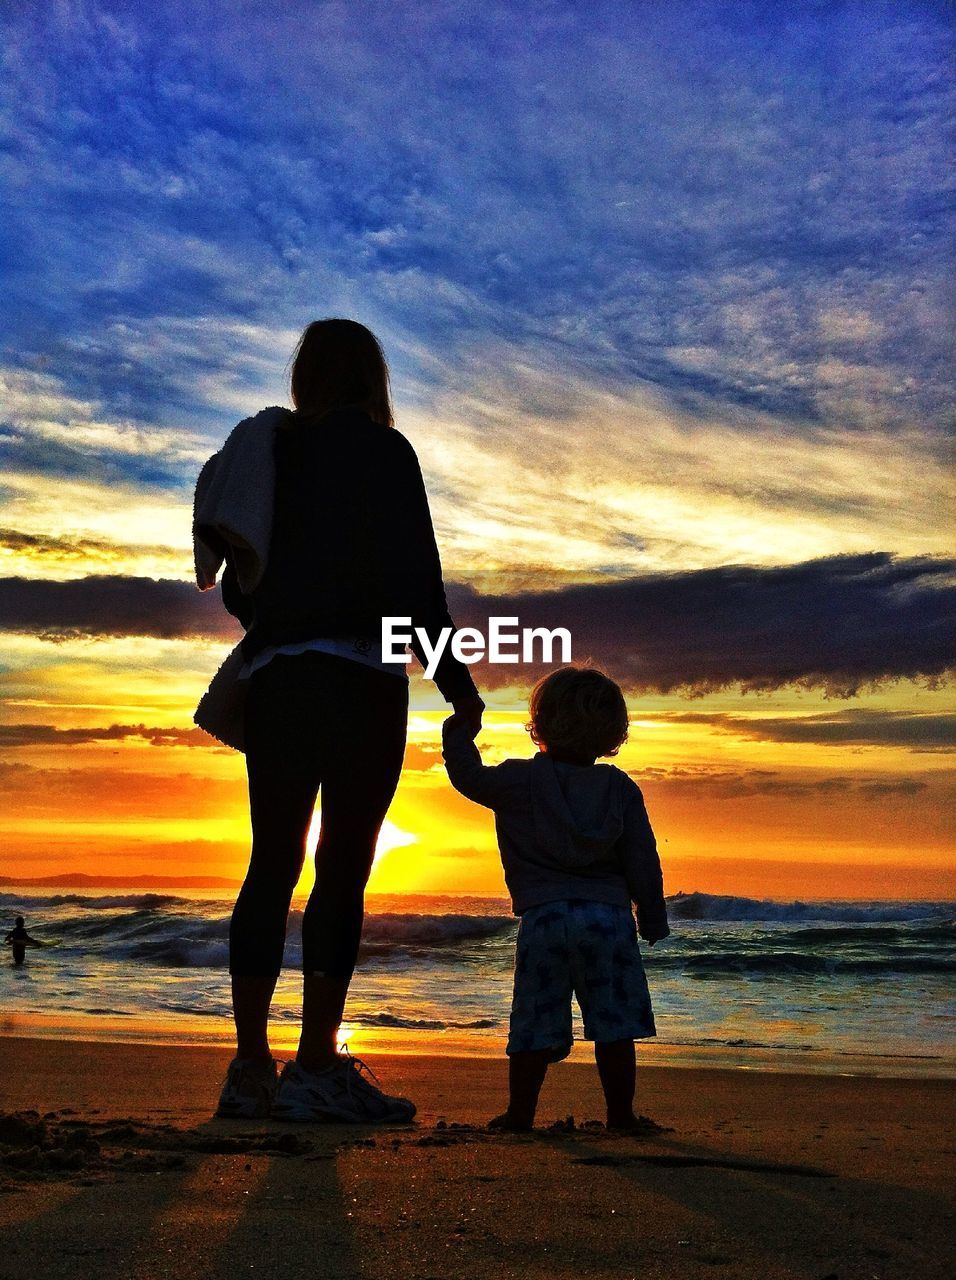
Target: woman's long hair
{"x":339,"y":364}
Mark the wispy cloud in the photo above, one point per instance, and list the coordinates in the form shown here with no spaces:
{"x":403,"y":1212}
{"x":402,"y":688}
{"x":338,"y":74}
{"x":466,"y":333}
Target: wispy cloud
{"x":48,"y":430}
{"x":740,"y":784}
{"x":69,"y":556}
{"x":60,"y":795}
{"x":661,"y":295}
{"x":742,"y":208}
{"x":840,"y":624}
{"x":587,"y":479}
{"x":920,"y":731}
{"x":44,"y":735}
{"x":111,"y":605}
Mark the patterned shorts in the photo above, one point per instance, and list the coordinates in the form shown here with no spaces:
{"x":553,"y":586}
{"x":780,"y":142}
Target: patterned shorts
{"x":590,"y":950}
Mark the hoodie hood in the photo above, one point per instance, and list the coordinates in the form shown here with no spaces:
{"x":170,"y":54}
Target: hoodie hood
{"x":578,"y":810}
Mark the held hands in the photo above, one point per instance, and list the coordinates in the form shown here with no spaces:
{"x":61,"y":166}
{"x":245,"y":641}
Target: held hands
{"x":468,"y":712}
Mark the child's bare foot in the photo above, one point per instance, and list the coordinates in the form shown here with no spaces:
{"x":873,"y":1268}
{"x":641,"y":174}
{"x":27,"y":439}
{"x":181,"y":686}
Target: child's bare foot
{"x":507,"y":1123}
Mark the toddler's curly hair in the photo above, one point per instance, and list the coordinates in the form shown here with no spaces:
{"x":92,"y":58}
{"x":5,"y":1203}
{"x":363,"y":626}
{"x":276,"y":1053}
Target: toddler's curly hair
{"x":578,"y":711}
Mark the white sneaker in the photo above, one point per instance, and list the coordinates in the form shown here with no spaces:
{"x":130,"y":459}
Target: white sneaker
{"x":342,"y":1093}
{"x":248,"y":1091}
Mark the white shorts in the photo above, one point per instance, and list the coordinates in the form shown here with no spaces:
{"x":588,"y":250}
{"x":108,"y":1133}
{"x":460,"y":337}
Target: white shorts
{"x":585,"y":949}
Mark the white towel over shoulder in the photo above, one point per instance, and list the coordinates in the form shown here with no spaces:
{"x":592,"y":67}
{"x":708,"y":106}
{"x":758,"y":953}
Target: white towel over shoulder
{"x":235,"y":498}
{"x":221,"y":709}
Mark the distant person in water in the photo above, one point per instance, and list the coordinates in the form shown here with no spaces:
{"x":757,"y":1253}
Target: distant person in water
{"x":351,"y":542}
{"x":577,"y":849}
{"x":18,"y":940}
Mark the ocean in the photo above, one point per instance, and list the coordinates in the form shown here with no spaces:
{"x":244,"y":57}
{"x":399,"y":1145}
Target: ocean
{"x":831,"y":986}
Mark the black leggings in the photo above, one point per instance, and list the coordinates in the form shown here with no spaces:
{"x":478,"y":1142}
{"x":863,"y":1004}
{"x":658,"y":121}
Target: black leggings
{"x":314,"y":720}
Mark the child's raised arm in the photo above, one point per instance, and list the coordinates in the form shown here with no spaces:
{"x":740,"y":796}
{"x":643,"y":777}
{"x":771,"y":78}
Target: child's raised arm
{"x":642,"y":867}
{"x":491,"y":785}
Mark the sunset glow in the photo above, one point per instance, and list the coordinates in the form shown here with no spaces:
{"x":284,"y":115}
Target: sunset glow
{"x":671,"y":348}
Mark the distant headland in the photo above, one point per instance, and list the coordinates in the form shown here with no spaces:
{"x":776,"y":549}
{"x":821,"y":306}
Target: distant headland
{"x":79,"y":880}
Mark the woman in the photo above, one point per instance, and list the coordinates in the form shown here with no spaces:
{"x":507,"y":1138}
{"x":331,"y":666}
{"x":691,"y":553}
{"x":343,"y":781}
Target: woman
{"x":351,"y":543}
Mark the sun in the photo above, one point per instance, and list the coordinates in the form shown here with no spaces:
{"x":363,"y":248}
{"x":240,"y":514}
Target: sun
{"x":390,"y":837}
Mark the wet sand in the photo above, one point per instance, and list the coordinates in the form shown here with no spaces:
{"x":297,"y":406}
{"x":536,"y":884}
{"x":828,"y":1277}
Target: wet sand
{"x":110,"y":1163}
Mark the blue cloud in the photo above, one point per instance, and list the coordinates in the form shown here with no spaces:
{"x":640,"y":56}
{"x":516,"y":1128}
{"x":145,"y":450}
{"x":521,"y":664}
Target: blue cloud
{"x":59,"y":459}
{"x":741,"y":206}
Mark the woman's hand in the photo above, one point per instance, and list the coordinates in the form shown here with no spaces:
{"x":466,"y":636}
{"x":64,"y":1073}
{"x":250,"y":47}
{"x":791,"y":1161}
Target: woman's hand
{"x":469,"y":711}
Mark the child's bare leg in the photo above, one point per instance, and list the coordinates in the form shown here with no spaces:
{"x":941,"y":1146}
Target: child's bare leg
{"x":526,"y":1072}
{"x":617,"y":1067}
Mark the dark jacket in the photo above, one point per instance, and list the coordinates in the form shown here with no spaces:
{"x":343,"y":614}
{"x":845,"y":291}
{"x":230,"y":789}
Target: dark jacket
{"x":565,"y":831}
{"x":352,"y":542}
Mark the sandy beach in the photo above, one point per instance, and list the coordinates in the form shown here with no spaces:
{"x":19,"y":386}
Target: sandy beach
{"x":111,"y":1164}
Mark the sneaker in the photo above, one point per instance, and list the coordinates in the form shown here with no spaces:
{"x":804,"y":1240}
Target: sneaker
{"x":248,"y":1091}
{"x":343,"y":1093}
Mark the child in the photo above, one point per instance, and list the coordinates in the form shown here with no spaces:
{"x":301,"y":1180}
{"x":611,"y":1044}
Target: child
{"x":577,"y":848}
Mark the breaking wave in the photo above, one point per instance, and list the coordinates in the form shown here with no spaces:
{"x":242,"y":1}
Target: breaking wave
{"x":722,"y":907}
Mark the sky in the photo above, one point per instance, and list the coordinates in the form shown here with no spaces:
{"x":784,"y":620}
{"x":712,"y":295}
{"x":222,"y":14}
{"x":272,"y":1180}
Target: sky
{"x":666,"y":295}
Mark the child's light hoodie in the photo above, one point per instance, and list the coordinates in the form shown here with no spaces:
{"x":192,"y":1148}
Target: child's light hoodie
{"x":565,"y":831}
